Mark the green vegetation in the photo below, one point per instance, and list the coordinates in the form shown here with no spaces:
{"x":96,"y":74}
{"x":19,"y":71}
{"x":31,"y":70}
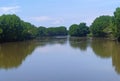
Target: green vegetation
{"x":116,"y":24}
{"x":107,"y":26}
{"x":42,"y":31}
{"x":80,"y":30}
{"x":52,"y":31}
{"x":57,"y":31}
{"x":12,"y":28}
{"x":101,"y":26}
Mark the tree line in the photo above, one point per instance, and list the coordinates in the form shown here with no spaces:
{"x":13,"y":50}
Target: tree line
{"x":12,"y":28}
{"x":102,"y":26}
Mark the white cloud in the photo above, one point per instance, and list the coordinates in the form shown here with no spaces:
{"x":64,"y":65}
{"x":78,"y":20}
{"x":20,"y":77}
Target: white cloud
{"x":46,"y":19}
{"x":58,"y":21}
{"x":9,"y":9}
{"x":41,"y":18}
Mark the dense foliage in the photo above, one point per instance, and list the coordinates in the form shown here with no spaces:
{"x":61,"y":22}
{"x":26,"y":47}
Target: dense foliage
{"x":116,"y":24}
{"x":12,"y":28}
{"x":101,"y":26}
{"x":42,"y":31}
{"x":52,"y":31}
{"x":107,"y":26}
{"x":80,"y":30}
{"x":57,"y":31}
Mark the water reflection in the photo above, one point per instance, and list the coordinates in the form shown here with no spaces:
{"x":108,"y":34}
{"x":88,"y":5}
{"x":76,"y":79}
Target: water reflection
{"x":51,"y":40}
{"x":106,"y":49}
{"x":12,"y":54}
{"x":116,"y":56}
{"x":81,"y":43}
{"x":102,"y":47}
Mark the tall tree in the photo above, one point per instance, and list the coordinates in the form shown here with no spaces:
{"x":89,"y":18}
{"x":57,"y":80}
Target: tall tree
{"x":101,"y":25}
{"x":10,"y":28}
{"x":116,"y":29}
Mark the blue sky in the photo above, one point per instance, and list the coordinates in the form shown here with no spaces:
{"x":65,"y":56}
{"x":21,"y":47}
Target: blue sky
{"x":50,"y":13}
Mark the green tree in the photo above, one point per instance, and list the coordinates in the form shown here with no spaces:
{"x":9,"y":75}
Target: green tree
{"x":10,"y":28}
{"x":61,"y":31}
{"x":73,"y":30}
{"x":80,"y":30}
{"x":42,"y":31}
{"x":83,"y":30}
{"x":101,"y":26}
{"x":29,"y":30}
{"x":57,"y":31}
{"x":116,"y":27}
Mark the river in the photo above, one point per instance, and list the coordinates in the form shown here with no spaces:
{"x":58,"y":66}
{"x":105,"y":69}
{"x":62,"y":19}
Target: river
{"x":60,"y":59}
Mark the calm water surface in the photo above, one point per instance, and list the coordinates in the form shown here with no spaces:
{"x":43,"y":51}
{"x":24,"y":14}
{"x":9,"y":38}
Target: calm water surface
{"x":60,"y":59}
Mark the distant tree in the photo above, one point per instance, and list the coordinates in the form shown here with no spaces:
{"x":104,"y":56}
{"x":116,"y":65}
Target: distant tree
{"x":80,"y":30}
{"x":101,"y":26}
{"x":83,"y":30}
{"x":73,"y":30}
{"x":42,"y":31}
{"x":57,"y":31}
{"x":51,"y":31}
{"x":61,"y":31}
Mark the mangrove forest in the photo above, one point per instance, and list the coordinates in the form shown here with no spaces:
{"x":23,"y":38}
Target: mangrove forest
{"x":12,"y":28}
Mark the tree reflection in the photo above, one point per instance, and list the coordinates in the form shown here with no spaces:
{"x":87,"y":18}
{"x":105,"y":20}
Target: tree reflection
{"x":105,"y":49}
{"x":102,"y":47}
{"x":77,"y":42}
{"x":12,"y":54}
{"x":51,"y":40}
{"x":116,"y":56}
